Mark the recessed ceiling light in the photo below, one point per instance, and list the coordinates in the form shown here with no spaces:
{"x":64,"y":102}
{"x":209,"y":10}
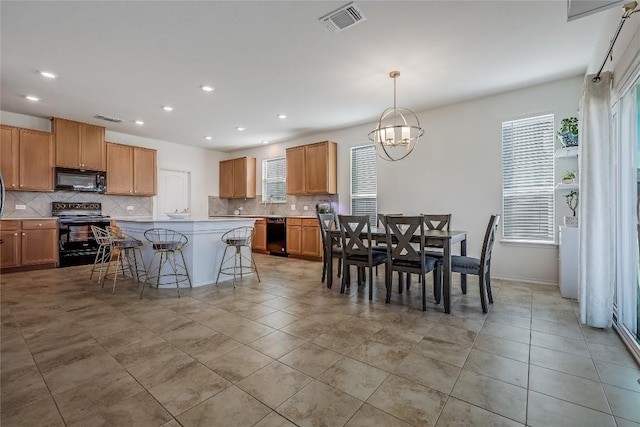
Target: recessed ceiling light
{"x":265,"y":142}
{"x":139,"y":122}
{"x":207,"y":88}
{"x":240,"y":128}
{"x":167,"y":108}
{"x":282,"y":116}
{"x":208,"y":138}
{"x":32,"y":98}
{"x":48,"y":75}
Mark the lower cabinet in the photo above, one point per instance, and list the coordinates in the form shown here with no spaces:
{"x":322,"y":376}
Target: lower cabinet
{"x":259,"y":243}
{"x":28,"y":243}
{"x":303,"y":238}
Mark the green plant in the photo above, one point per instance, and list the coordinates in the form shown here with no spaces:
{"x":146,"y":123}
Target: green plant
{"x":572,"y":201}
{"x":569,"y":125}
{"x":569,"y":175}
{"x":323,"y":209}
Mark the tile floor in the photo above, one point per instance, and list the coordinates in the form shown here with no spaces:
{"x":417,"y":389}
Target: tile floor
{"x":288,"y":351}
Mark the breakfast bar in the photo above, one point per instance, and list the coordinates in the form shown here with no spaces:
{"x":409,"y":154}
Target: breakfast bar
{"x":202,"y":254}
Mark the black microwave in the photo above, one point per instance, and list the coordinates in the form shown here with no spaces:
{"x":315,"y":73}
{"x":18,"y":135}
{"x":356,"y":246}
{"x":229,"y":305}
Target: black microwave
{"x":80,"y":180}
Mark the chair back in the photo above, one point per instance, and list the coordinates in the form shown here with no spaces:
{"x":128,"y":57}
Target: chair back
{"x":355,"y":234}
{"x":489,"y":238}
{"x":403,"y":232}
{"x":164,"y":239}
{"x":240,"y":236}
{"x":101,"y":235}
{"x":437,"y":222}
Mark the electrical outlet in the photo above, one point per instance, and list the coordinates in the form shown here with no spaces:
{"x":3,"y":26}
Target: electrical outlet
{"x":306,"y":208}
{"x":129,"y":208}
{"x":293,"y":207}
{"x":21,"y":207}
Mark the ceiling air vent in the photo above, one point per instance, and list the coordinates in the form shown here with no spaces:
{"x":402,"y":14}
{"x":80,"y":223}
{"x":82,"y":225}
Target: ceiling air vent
{"x":343,"y":18}
{"x":107,"y":118}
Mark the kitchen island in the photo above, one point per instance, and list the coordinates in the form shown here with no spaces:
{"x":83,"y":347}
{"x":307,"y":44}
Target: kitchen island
{"x":202,"y":254}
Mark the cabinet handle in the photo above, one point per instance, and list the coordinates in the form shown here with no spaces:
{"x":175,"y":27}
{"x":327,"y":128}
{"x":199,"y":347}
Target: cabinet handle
{"x":24,"y":234}
{"x":21,"y":185}
{"x":15,"y":234}
{"x":39,"y":225}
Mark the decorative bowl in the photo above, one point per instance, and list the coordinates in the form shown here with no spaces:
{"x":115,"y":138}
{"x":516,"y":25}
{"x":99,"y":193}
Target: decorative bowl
{"x":177,"y":215}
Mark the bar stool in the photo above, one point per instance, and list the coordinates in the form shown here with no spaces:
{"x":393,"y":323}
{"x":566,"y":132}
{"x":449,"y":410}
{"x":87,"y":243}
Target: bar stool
{"x":166,"y":243}
{"x":103,"y":256}
{"x":125,"y":250}
{"x":235,"y":240}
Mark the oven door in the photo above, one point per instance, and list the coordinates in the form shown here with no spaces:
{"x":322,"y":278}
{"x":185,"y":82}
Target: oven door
{"x":77,"y":245}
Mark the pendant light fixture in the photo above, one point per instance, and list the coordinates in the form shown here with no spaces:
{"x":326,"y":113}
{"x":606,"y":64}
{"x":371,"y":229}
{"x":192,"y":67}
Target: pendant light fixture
{"x":398,"y":130}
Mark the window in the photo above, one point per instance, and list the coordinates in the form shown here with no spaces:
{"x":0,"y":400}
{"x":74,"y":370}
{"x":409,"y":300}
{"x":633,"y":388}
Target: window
{"x":528,"y":179}
{"x":274,"y":180}
{"x":364,"y":189}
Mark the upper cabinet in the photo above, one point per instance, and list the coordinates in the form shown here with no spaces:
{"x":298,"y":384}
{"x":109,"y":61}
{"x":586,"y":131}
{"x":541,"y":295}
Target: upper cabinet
{"x":79,"y":145}
{"x":26,"y":159}
{"x":131,"y":170}
{"x":238,"y":178}
{"x":312,"y":169}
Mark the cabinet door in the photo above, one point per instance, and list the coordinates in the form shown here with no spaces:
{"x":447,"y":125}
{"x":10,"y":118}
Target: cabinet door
{"x":226,"y":179}
{"x":119,"y":169}
{"x":240,"y":177}
{"x":10,"y":248}
{"x":9,"y":147}
{"x":67,"y":141}
{"x":259,"y":243}
{"x":311,"y":241}
{"x":39,"y":246}
{"x":36,"y":160}
{"x":295,"y":170}
{"x":321,"y":164}
{"x":144,"y":172}
{"x":92,"y":147}
{"x":294,"y":236}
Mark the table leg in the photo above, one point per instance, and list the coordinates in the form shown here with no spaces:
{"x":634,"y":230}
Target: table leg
{"x":446,"y":276}
{"x":463,"y":277}
{"x":329,"y":271}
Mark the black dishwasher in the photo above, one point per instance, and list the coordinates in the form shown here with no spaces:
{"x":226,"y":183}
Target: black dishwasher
{"x":277,"y":236}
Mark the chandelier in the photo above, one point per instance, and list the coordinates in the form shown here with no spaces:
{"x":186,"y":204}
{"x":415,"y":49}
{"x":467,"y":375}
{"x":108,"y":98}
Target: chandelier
{"x":397,"y":131}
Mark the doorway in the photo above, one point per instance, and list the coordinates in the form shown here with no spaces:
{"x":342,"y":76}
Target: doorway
{"x":174,"y":191}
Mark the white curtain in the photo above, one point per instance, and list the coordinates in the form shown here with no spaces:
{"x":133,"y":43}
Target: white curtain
{"x":595,"y":210}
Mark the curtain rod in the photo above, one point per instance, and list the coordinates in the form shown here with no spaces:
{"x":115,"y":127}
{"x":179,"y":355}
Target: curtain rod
{"x":627,"y":10}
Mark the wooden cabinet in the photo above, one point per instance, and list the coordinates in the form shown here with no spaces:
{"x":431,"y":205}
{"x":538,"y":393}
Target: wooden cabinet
{"x":238,"y":178}
{"x":312,"y":169}
{"x":131,"y":170}
{"x":303,"y":238}
{"x":259,"y":243}
{"x":28,"y":243}
{"x":26,"y":159}
{"x":79,"y":145}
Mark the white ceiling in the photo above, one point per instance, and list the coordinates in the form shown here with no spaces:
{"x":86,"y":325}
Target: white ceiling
{"x":128,"y":59}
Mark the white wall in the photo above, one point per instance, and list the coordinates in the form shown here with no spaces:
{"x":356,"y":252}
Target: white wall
{"x":456,"y":168}
{"x":202,"y":163}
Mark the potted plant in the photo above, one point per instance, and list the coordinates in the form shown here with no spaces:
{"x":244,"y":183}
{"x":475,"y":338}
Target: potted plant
{"x":569,"y":177}
{"x":572,"y":202}
{"x":568,"y":133}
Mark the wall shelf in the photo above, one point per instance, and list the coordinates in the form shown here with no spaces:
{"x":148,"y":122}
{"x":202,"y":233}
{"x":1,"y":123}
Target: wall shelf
{"x":567,"y":152}
{"x":562,"y":186}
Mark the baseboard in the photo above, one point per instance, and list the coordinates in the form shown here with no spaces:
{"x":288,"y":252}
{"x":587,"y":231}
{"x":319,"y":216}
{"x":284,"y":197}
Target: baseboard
{"x":525,"y":280}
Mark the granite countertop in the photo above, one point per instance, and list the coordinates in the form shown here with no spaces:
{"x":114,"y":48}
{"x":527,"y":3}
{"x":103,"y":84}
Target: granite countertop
{"x":29,"y":218}
{"x":262,"y":216}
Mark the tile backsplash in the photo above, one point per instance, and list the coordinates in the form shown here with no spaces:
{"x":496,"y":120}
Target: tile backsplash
{"x":38,"y":204}
{"x":255,"y":206}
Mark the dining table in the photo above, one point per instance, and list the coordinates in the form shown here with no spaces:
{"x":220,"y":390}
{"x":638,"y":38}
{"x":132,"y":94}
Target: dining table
{"x":447,"y":238}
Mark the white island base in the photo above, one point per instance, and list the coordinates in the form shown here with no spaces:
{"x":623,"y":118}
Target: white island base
{"x":203,"y":253}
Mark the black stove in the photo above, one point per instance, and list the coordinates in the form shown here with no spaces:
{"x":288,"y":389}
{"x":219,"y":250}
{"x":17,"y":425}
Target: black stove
{"x":77,"y":245}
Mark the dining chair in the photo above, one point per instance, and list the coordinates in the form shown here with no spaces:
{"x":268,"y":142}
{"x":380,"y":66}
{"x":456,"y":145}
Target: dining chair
{"x":403,"y":256}
{"x":355,"y":237}
{"x":436,"y":222}
{"x":330,"y":245}
{"x":480,"y":267}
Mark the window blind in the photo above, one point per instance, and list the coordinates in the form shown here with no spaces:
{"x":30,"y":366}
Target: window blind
{"x":274,"y":180}
{"x":528,"y":179}
{"x":364,"y":189}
